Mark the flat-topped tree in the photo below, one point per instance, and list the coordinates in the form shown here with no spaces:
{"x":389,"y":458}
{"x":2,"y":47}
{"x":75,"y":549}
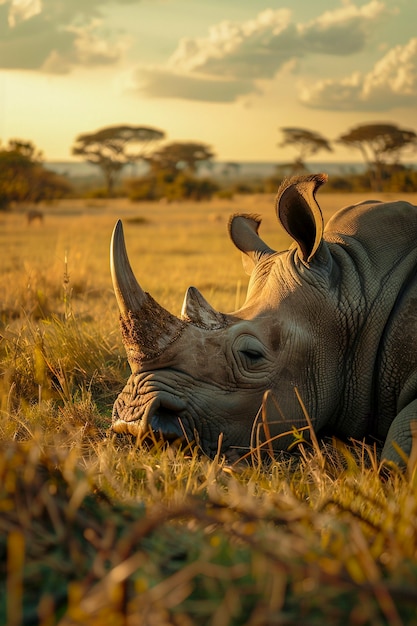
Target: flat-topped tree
{"x":306,"y":142}
{"x":380,"y":144}
{"x":180,"y":156}
{"x":113,"y":147}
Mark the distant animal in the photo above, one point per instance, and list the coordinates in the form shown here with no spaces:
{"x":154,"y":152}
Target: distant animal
{"x":33,"y":214}
{"x":331,"y":322}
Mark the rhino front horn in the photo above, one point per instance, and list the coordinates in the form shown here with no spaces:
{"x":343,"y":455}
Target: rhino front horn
{"x":147,"y":328}
{"x":129,"y":294}
{"x":199,"y":312}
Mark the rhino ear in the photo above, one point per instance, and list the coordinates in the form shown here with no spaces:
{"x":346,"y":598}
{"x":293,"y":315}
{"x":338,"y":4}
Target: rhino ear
{"x":243,"y":230}
{"x":299,"y":213}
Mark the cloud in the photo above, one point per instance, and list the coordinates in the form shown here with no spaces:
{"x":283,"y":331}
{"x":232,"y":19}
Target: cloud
{"x":233,"y":60}
{"x":56,"y":35}
{"x":342,"y":31}
{"x":391,"y":83}
{"x":23,"y":10}
{"x":164,"y":84}
{"x":258,"y":49}
{"x":86,"y":48}
{"x":253,"y":49}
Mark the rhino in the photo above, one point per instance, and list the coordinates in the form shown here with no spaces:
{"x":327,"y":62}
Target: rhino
{"x":328,"y":330}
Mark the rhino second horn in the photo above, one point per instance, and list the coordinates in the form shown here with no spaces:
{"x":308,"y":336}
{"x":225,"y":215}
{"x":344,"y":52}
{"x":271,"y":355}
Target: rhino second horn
{"x":199,"y":312}
{"x":129,"y":294}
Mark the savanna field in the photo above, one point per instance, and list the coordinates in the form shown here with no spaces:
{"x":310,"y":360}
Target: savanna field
{"x":98,"y":530}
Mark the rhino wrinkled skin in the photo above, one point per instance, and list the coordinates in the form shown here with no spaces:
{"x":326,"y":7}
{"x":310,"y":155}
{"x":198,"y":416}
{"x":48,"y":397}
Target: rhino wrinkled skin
{"x":333,"y":318}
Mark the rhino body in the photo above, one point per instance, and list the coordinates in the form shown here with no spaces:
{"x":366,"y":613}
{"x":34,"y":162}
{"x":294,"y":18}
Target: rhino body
{"x":333,"y":318}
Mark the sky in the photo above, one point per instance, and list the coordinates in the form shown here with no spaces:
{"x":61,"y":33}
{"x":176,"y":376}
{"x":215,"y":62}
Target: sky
{"x":227,"y":73}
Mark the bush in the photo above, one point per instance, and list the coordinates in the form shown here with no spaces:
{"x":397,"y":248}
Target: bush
{"x":24,"y":179}
{"x":188,"y":187}
{"x":243,"y":188}
{"x":142,"y":189}
{"x":403,"y":179}
{"x":101,"y":193}
{"x":395,"y":178}
{"x":225,"y":194}
{"x":165,"y":184}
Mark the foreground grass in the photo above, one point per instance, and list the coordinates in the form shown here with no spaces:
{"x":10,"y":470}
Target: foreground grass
{"x":95,"y":530}
{"x":166,"y":538}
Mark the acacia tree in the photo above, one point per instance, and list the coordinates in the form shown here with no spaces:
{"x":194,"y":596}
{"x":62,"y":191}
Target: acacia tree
{"x":113,"y":147}
{"x":180,"y":156}
{"x":380,"y":145}
{"x":306,"y":142}
{"x":172,"y":173}
{"x":25,"y":149}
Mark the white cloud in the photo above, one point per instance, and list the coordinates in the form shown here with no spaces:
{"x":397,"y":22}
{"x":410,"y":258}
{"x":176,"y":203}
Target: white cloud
{"x":391,"y":83}
{"x":56,"y":35}
{"x":233,"y":60}
{"x":87,"y":48}
{"x":258,"y":49}
{"x":91,"y":49}
{"x":21,"y":10}
{"x":341,"y":31}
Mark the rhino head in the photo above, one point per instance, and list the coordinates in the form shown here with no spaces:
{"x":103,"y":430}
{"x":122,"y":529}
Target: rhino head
{"x":205,"y":375}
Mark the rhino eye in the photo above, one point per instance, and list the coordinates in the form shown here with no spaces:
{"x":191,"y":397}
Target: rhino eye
{"x":253,"y":355}
{"x":250,"y":351}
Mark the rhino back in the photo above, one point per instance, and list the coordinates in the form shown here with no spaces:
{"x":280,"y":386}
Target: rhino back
{"x":396,"y":384}
{"x":386,"y":230}
{"x":374,"y":246}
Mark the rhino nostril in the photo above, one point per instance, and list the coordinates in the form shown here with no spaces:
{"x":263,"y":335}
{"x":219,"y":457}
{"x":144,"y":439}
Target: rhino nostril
{"x":166,"y":422}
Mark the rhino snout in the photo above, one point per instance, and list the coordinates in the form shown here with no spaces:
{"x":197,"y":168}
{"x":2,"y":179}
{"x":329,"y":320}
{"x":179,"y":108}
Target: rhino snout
{"x":161,"y":415}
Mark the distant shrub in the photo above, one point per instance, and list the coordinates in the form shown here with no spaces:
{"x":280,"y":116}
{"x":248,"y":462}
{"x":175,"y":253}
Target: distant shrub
{"x":272,"y":183}
{"x":395,"y":178}
{"x":142,"y":189}
{"x":225,"y":194}
{"x":100,"y":193}
{"x":137,"y":219}
{"x":403,"y":179}
{"x":243,"y":188}
{"x":340,"y":183}
{"x":188,"y":187}
{"x":165,"y":184}
{"x":23,"y":178}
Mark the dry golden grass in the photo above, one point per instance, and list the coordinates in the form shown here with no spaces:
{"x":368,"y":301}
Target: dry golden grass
{"x":170,"y":246}
{"x":96,"y":531}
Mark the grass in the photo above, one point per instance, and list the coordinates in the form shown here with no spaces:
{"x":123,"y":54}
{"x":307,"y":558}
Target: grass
{"x":94,"y":529}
